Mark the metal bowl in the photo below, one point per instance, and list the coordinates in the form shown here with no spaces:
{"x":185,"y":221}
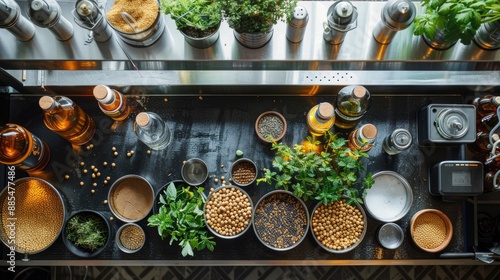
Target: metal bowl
{"x":390,"y":198}
{"x":390,"y":236}
{"x":213,"y":231}
{"x":118,"y":239}
{"x":136,"y":192}
{"x":194,"y":171}
{"x":281,"y":227}
{"x":32,"y":198}
{"x":239,"y":162}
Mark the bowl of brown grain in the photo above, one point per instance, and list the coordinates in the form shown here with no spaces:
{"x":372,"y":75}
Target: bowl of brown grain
{"x":431,"y":230}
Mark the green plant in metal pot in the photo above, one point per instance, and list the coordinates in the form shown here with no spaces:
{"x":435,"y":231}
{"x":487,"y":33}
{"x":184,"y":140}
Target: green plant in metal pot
{"x":457,"y":19}
{"x":326,"y":170}
{"x":251,"y":16}
{"x":195,"y":18}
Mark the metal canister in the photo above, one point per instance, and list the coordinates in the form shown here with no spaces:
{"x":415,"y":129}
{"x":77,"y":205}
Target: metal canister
{"x":342,"y":17}
{"x":488,"y":35}
{"x":297,"y":26}
{"x":12,"y":20}
{"x":398,"y":141}
{"x":396,"y":15}
{"x":87,"y":15}
{"x":47,"y":14}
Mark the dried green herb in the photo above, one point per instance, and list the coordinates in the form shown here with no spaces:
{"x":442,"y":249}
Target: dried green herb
{"x":87,"y":231}
{"x":181,"y":217}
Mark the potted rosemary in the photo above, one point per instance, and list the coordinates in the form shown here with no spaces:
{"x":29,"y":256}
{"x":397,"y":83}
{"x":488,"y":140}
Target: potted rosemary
{"x":444,"y":22}
{"x":253,"y":20}
{"x":197,"y":20}
{"x":326,"y":170}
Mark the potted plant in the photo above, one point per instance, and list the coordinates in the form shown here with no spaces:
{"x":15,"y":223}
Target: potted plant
{"x":444,"y":22}
{"x":197,"y":20}
{"x":253,"y":20}
{"x":326,"y":170}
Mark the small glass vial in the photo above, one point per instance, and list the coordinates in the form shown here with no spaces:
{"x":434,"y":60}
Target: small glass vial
{"x":398,"y":141}
{"x":64,"y":117}
{"x":112,"y":102}
{"x":486,"y":105}
{"x":20,"y":148}
{"x":363,"y":138}
{"x":320,"y":119}
{"x":352,"y":103}
{"x":152,"y":130}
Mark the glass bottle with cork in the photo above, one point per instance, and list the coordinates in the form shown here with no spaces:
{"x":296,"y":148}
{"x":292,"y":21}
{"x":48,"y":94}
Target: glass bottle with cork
{"x":20,"y":148}
{"x":352,"y":103}
{"x":320,"y":118}
{"x":486,"y":105}
{"x":64,"y":117}
{"x":111,"y":102}
{"x":363,"y":138}
{"x":152,"y":130}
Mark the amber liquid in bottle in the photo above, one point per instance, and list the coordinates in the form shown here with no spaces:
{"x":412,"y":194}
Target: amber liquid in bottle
{"x":67,"y":119}
{"x":486,"y":105}
{"x":112,"y":102}
{"x":320,"y":119}
{"x":20,"y":148}
{"x":362,"y":139}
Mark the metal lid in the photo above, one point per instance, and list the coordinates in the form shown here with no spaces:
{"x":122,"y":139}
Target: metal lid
{"x":9,"y":13}
{"x":341,"y":13}
{"x":399,"y":14}
{"x":44,"y":13}
{"x":390,"y":236}
{"x":300,"y":17}
{"x":401,"y":138}
{"x":86,"y":8}
{"x":452,"y":123}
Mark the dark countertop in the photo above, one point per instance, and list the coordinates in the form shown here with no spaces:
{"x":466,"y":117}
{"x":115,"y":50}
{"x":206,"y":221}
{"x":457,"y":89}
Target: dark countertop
{"x":213,"y":128}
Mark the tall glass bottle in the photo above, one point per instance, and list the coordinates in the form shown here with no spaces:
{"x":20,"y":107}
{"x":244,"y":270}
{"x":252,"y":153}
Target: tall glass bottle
{"x":20,"y":148}
{"x":64,"y":117}
{"x":152,"y":130}
{"x":486,"y":105}
{"x":352,"y":103}
{"x":320,"y":118}
{"x":363,"y":138}
{"x":112,"y":102}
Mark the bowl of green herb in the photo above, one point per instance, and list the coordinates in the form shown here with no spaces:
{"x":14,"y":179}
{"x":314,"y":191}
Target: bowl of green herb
{"x":86,"y":233}
{"x":179,"y":215}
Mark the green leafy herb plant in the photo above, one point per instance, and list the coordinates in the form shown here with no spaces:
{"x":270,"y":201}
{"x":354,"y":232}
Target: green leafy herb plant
{"x":324,"y":170}
{"x":457,"y":19}
{"x":251,"y":16}
{"x":181,"y":217}
{"x":87,"y":231}
{"x":195,"y":18}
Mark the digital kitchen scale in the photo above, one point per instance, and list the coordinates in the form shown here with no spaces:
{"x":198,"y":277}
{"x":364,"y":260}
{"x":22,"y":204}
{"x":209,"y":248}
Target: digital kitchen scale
{"x":456,"y":178}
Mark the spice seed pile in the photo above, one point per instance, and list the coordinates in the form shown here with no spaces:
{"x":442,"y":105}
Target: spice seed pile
{"x":270,"y":125}
{"x":144,"y":13}
{"x":429,"y":231}
{"x":337,"y":225}
{"x":228,"y":211}
{"x":244,"y":173}
{"x":39,"y":216}
{"x":131,"y":237}
{"x":280,"y":220}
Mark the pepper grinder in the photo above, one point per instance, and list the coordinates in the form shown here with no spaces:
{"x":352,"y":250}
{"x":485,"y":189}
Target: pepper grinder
{"x":12,"y":20}
{"x":342,"y":17}
{"x":47,"y":14}
{"x":88,"y":16}
{"x":396,"y":15}
{"x":297,"y":26}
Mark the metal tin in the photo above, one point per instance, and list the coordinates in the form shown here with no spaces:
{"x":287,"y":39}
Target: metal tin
{"x":88,"y":16}
{"x":398,"y":141}
{"x":120,"y":245}
{"x":47,"y":14}
{"x":342,"y":17}
{"x":12,"y":20}
{"x":390,"y":236}
{"x":194,"y":171}
{"x":297,"y":26}
{"x":396,"y":15}
{"x":135,"y":181}
{"x":488,"y":35}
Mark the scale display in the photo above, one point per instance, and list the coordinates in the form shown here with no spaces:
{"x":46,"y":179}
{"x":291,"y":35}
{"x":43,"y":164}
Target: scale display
{"x":456,"y":178}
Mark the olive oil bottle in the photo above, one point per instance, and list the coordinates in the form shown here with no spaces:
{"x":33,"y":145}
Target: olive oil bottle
{"x":320,"y":118}
{"x":352,"y":103}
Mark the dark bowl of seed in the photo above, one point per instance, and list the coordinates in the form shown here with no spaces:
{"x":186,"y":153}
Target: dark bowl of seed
{"x":130,"y":238}
{"x":280,"y":220}
{"x":270,"y":124}
{"x":243,"y":172}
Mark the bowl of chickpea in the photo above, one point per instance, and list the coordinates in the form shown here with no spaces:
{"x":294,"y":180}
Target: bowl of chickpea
{"x":338,"y":227}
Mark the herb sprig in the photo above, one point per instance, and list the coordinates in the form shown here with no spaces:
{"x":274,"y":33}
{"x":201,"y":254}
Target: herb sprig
{"x":87,"y":231}
{"x":181,"y":217}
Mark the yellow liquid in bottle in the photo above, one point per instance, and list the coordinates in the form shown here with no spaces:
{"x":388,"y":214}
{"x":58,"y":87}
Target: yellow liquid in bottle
{"x":316,"y":125}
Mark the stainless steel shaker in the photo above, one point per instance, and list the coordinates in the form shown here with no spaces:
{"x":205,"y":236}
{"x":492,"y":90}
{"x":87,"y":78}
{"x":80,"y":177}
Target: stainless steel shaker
{"x":488,"y":35}
{"x":297,"y":26}
{"x":396,"y":15}
{"x":47,"y":14}
{"x":342,"y":17}
{"x":87,"y":15}
{"x":12,"y":20}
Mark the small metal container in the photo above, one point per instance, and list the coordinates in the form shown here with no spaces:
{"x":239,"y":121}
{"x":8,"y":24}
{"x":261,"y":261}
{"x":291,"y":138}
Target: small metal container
{"x":131,"y":198}
{"x":12,"y":20}
{"x":242,"y":162}
{"x":194,"y":171}
{"x":390,"y":236}
{"x":342,"y":17}
{"x":118,"y":238}
{"x":398,"y":141}
{"x":396,"y":15}
{"x":48,"y":14}
{"x":297,"y":26}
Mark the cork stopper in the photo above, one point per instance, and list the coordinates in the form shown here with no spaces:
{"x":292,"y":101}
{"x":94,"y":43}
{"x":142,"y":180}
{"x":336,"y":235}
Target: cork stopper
{"x":46,"y":103}
{"x":100,"y":92}
{"x":359,"y":91}
{"x":369,"y":131}
{"x":325,"y":110}
{"x":142,"y":119}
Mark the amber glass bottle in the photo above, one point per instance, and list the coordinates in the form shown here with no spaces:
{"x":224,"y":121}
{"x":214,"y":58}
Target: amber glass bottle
{"x":362,"y":139}
{"x":352,"y":103}
{"x":487,"y":123}
{"x":481,"y":145}
{"x":112,"y":102}
{"x":486,"y":105}
{"x":67,"y":119}
{"x":320,"y":118}
{"x":489,"y":185}
{"x":20,"y":148}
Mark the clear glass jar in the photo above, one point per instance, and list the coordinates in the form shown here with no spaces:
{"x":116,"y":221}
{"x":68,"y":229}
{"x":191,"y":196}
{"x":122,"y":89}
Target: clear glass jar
{"x":152,"y":130}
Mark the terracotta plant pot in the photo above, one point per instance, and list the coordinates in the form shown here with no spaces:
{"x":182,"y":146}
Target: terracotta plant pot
{"x":270,"y":123}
